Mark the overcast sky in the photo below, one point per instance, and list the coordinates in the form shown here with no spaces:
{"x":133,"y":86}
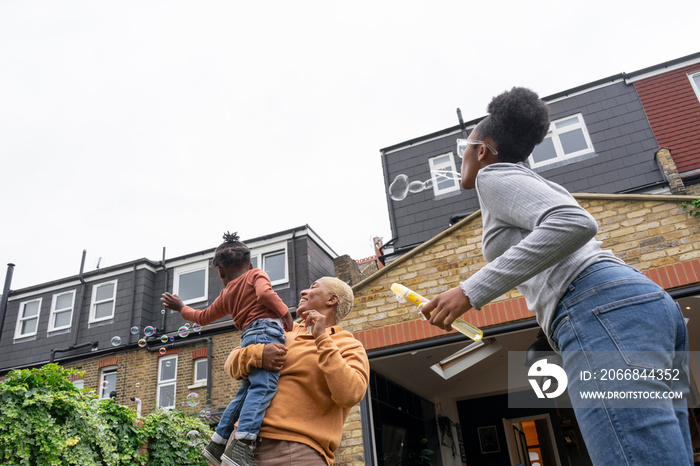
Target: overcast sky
{"x":129,"y":126}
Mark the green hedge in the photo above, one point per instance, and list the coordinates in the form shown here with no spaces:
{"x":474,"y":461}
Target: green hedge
{"x":45,"y":419}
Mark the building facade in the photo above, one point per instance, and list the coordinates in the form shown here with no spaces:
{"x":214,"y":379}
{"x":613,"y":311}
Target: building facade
{"x":611,"y":142}
{"x":110,"y":324}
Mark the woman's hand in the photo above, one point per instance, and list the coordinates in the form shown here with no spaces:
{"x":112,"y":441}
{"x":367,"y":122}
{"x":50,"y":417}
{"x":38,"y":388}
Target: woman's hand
{"x":442,"y":310}
{"x":317,"y":322}
{"x":274,"y":356}
{"x":172,"y":301}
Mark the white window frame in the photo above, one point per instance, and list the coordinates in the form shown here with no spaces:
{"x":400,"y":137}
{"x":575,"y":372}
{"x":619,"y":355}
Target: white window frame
{"x":94,"y":302}
{"x":198,"y":382}
{"x":696,"y":87}
{"x":193,"y":267}
{"x":21,"y":319}
{"x":79,"y":383}
{"x":54,"y":311}
{"x":166,"y":383}
{"x":554,"y":133}
{"x":261,"y":253}
{"x":448,"y":166}
{"x":104,"y":392}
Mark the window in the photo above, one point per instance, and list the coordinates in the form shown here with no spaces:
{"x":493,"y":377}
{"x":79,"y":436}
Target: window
{"x":190,"y":282}
{"x":108,"y":381}
{"x":103,"y":300}
{"x":28,"y":318}
{"x":567,"y":138}
{"x":200,"y":371}
{"x":443,"y":174}
{"x":61,"y":311}
{"x":273,"y":260}
{"x":79,"y":383}
{"x":167,"y":378}
{"x":695,"y":82}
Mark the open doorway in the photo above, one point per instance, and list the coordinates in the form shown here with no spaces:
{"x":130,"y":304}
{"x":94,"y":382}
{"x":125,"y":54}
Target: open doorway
{"x":531,"y":441}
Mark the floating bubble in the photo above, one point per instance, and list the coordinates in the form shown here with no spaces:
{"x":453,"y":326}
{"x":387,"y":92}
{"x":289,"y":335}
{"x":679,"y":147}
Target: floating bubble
{"x":172,"y":338}
{"x":193,"y":438}
{"x":102,"y":431}
{"x":148,"y":331}
{"x":167,"y":363}
{"x":202,"y":413}
{"x":162,"y":311}
{"x":116,"y":341}
{"x":161,"y":351}
{"x":115,"y":424}
{"x":400,"y":187}
{"x":193,"y":399}
{"x":126,"y":437}
{"x":183,"y":331}
{"x":134,"y":330}
{"x":207,"y":414}
{"x":196,"y":328}
{"x":105,"y":384}
{"x":164,"y":338}
{"x":94,"y":403}
{"x":187,"y":324}
{"x":142,"y":342}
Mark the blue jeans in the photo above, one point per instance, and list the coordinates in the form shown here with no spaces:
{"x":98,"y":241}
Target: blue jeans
{"x":613,"y":317}
{"x":256,"y":392}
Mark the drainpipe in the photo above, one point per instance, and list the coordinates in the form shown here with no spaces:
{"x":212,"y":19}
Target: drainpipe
{"x":177,"y":344}
{"x":5,"y":294}
{"x":138,"y":405}
{"x":133,"y":302}
{"x":293,"y":278}
{"x":79,"y":302}
{"x":165,"y":289}
{"x":93,"y":344}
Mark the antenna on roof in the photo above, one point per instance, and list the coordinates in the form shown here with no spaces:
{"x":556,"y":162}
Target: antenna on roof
{"x":461,"y":123}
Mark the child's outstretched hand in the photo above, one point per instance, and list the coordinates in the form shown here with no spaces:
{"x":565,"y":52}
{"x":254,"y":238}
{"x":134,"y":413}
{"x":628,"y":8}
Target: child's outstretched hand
{"x":288,"y":321}
{"x":172,"y":301}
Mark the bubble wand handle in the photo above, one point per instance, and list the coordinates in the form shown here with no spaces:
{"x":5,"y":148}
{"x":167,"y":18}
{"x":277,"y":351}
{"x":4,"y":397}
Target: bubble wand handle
{"x":459,"y":324}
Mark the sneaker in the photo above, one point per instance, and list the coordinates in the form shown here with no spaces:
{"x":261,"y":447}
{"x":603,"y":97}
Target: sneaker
{"x":238,"y":453}
{"x":213,"y":452}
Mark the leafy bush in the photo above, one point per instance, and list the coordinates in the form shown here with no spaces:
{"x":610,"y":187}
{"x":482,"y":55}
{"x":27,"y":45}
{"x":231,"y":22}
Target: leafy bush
{"x":45,"y":419}
{"x":692,"y":207}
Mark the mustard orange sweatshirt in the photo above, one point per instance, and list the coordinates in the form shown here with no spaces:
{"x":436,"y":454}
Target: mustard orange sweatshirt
{"x":247,"y":298}
{"x":321,"y":380}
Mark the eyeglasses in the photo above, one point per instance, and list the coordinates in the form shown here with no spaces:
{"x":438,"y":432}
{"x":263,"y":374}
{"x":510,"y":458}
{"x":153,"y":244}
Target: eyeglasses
{"x":463,"y":143}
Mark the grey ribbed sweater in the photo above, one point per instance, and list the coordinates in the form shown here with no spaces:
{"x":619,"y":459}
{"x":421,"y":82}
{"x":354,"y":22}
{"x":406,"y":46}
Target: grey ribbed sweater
{"x":536,"y":238}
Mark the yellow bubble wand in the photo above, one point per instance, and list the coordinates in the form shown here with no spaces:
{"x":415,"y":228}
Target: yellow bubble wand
{"x":404,"y":294}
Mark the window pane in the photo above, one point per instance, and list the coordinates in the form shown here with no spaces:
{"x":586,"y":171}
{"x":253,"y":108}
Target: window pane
{"x":103,"y":310}
{"x":80,"y":383}
{"x":567,"y":122}
{"x":275,"y":266}
{"x":544,"y":151}
{"x":254,"y":261}
{"x":696,"y":78}
{"x":64,"y":301}
{"x":166,"y":396}
{"x":573,"y":141}
{"x":442,"y":159}
{"x":31,"y":309}
{"x":200,"y":370}
{"x":192,"y":285}
{"x":167,"y":369}
{"x":109,"y":383}
{"x":29,"y":326}
{"x":445,"y":179}
{"x":105,"y":292}
{"x":62,"y":319}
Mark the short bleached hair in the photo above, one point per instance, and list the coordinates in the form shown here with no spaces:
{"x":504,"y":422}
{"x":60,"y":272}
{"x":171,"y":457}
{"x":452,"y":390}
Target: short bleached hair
{"x":344,"y":293}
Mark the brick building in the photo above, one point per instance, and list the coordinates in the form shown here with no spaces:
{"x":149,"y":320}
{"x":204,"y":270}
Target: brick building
{"x":86,"y":322}
{"x":618,"y":142}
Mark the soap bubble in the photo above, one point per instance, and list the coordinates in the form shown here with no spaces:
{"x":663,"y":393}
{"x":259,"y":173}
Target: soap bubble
{"x":400,"y":187}
{"x":94,"y":403}
{"x":196,"y":328}
{"x":183,"y":331}
{"x":134,"y":330}
{"x":207,"y":414}
{"x":102,"y":431}
{"x":164,"y":338}
{"x":126,"y":437}
{"x":193,"y":399}
{"x":105,"y":384}
{"x":202,"y":413}
{"x":162,"y":311}
{"x":193,"y":438}
{"x":142,"y":342}
{"x":172,"y":338}
{"x":161,"y":351}
{"x":115,"y":425}
{"x":116,"y":341}
{"x":167,"y":363}
{"x":148,"y":331}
